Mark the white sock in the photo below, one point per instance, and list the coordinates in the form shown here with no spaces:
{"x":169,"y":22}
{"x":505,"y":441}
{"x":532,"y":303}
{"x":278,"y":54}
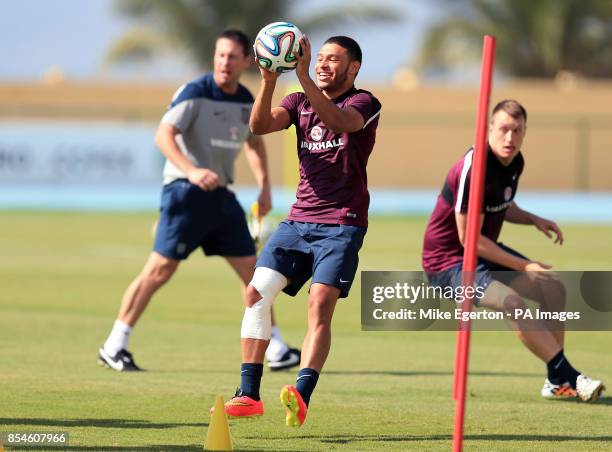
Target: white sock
{"x":118,"y":338}
{"x":277,"y":347}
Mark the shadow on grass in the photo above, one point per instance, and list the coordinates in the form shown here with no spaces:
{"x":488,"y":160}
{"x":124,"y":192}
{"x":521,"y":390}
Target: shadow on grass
{"x":102,"y":423}
{"x":347,"y":439}
{"x":607,"y":400}
{"x":418,"y":373}
{"x":153,"y":447}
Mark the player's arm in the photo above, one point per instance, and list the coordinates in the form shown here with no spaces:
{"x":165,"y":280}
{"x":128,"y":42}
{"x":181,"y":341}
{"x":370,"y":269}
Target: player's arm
{"x":515,"y":214}
{"x":490,"y":251}
{"x":165,"y":138}
{"x":265,"y":119}
{"x":255,"y":151}
{"x":336,"y":119}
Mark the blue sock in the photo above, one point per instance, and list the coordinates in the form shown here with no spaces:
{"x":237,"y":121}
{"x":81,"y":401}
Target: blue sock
{"x":306,"y":382}
{"x":250,"y":379}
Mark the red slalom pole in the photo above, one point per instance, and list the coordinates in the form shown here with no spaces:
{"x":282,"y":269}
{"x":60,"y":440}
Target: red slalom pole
{"x":471,"y":237}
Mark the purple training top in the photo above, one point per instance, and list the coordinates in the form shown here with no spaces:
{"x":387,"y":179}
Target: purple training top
{"x":333,"y":181}
{"x":442,"y":248}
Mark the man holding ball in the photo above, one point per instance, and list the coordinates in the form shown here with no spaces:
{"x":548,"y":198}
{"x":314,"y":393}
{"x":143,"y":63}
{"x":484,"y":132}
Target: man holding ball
{"x":320,"y":239}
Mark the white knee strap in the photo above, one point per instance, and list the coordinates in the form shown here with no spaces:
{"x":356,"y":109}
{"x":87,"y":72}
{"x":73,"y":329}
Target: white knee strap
{"x":257,"y":320}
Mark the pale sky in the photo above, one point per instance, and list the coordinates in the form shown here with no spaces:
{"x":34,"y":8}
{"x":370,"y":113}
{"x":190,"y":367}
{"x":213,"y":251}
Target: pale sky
{"x":74,"y":35}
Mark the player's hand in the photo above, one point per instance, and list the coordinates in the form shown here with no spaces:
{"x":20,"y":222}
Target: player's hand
{"x":540,"y":271}
{"x":549,"y":227}
{"x":303,"y":66}
{"x":534,"y":266}
{"x":266,"y":75}
{"x":265,"y":201}
{"x":204,"y":178}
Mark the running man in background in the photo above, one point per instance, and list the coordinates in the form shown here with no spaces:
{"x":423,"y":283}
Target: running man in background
{"x":201,"y":135}
{"x":443,"y":251}
{"x":336,"y":129}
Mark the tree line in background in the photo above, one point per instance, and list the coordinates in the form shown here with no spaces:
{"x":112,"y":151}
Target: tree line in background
{"x":192,"y":25}
{"x":535,"y":38}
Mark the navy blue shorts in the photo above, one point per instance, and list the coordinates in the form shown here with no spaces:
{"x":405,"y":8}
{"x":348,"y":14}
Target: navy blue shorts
{"x":191,"y":217}
{"x":326,"y":252}
{"x":452,"y":277}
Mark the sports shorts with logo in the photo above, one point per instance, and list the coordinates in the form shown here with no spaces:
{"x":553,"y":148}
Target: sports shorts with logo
{"x":191,"y":217}
{"x":326,"y":252}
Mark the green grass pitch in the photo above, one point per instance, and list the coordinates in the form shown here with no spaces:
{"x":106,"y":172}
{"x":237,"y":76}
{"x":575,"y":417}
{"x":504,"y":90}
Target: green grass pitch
{"x":62,"y":276}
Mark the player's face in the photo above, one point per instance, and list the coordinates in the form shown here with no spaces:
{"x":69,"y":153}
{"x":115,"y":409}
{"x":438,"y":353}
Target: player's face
{"x":229,"y":62}
{"x":333,"y":69}
{"x":506,"y":136}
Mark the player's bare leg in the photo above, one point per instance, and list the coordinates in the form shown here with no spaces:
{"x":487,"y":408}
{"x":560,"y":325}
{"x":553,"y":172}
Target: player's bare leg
{"x":532,"y":333}
{"x":156,"y":272}
{"x":563,"y":380}
{"x":549,"y":293}
{"x":321,"y":305}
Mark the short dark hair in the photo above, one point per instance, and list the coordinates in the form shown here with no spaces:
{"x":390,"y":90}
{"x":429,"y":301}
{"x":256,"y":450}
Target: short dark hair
{"x":238,"y":37}
{"x":512,"y":107}
{"x":352,"y":48}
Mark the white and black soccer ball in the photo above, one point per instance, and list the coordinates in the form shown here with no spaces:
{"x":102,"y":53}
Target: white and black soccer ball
{"x":275,"y":46}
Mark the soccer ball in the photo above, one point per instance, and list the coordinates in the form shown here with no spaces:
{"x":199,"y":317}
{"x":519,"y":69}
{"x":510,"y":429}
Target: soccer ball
{"x":274,"y":46}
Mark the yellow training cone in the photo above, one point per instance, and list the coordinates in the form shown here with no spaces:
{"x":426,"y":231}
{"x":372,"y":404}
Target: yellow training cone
{"x":218,"y":436}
